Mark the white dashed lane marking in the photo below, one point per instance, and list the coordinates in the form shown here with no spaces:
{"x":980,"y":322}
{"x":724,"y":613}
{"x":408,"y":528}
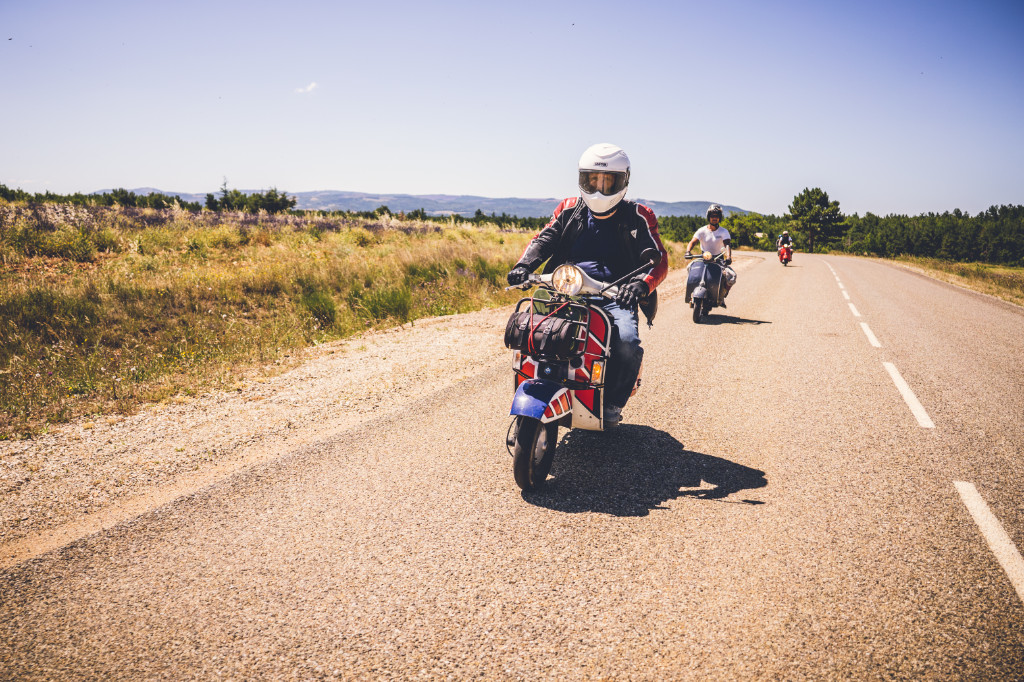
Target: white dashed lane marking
{"x":908,"y":395}
{"x":915,"y":405}
{"x":998,"y":541}
{"x":871,"y":337}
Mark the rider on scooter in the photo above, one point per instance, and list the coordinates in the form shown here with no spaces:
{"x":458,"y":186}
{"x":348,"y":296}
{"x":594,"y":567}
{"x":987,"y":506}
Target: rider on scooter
{"x":715,"y":239}
{"x":604,"y":236}
{"x":784,"y":240}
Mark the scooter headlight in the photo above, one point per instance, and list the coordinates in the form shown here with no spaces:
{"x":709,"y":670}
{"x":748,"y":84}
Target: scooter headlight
{"x":567,"y":279}
{"x":706,"y":256}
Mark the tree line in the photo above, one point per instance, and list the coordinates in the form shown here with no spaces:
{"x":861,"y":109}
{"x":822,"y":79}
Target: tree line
{"x":816,"y":223}
{"x":994,"y":236}
{"x":503,"y":221}
{"x":270,"y":201}
{"x":120,"y":196}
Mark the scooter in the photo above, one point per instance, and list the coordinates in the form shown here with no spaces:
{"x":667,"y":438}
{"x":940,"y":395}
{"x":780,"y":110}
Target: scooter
{"x":561,"y":343}
{"x":785,"y":254}
{"x":703,"y":283}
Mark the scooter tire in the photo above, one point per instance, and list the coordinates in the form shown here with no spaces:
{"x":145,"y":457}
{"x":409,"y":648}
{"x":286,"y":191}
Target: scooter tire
{"x":698,"y":310}
{"x":533,"y":452}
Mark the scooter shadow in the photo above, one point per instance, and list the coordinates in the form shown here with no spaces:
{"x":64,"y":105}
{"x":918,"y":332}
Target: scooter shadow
{"x":633,"y":469}
{"x":718,"y":318}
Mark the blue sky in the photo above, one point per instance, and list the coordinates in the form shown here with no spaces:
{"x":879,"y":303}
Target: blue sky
{"x":890,"y":107}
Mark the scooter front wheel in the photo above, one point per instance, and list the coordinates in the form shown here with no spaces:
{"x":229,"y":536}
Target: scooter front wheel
{"x":533,"y":452}
{"x":698,"y":309}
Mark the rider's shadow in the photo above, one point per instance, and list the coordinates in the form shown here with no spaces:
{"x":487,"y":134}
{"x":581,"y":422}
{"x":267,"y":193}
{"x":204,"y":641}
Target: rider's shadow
{"x":633,"y":469}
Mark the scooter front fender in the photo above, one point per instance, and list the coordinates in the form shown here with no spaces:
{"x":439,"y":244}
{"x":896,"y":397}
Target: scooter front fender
{"x":534,"y":396}
{"x":700,"y":292}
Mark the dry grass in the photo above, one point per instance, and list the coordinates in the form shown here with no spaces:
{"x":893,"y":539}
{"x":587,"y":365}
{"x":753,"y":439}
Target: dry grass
{"x":147,"y":304}
{"x":1000,"y":281}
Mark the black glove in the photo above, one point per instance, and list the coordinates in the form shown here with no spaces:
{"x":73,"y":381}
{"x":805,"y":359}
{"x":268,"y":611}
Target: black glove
{"x":517,"y":276}
{"x":630,"y":293}
{"x":728,"y":261}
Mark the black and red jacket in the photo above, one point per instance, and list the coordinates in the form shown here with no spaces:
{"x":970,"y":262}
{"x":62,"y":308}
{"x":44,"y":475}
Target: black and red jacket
{"x":638,"y":231}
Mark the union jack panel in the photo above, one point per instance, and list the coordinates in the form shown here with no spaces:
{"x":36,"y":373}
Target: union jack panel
{"x":588,"y":405}
{"x":560,"y":405}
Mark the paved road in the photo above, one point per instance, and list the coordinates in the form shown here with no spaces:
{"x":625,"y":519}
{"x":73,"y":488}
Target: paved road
{"x":775,"y":510}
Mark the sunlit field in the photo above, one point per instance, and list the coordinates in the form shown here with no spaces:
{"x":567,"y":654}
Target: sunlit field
{"x":101,"y":309}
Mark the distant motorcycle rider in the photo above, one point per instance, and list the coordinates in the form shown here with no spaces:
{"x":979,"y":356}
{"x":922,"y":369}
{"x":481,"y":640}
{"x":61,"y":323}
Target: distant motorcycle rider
{"x":784,"y":240}
{"x":716,"y":240}
{"x":604,"y":235}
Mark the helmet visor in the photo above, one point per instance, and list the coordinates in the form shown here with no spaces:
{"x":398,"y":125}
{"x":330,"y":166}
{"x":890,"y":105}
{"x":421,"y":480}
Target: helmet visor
{"x":607,"y":183}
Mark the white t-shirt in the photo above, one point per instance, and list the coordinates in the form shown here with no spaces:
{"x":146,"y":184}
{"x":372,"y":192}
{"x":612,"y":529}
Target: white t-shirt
{"x":713,"y":242}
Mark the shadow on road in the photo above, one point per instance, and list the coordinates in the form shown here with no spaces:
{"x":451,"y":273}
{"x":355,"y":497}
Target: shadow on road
{"x":718,"y":318}
{"x":633,"y":469}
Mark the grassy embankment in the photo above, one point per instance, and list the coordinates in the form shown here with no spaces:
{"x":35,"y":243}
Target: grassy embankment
{"x":104,"y":309}
{"x":1000,"y":281}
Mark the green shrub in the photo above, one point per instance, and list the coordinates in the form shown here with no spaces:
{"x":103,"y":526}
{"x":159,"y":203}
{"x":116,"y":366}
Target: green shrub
{"x":51,"y":314}
{"x":156,"y":240}
{"x":321,"y":306}
{"x":416,"y":273}
{"x":492,"y":273}
{"x":363,"y":237}
{"x":25,"y":239}
{"x":224,"y":237}
{"x":69,"y":243}
{"x":126,"y":292}
{"x":270,"y":282}
{"x":195,"y":247}
{"x":106,"y":240}
{"x":387,"y":302}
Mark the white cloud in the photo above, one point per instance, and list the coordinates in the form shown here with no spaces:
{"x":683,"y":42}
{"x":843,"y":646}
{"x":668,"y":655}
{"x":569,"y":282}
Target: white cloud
{"x":309,"y":88}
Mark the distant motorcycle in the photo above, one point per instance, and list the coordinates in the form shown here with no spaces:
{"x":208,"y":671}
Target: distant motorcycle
{"x":785,"y":254}
{"x":703,"y":283}
{"x":561,"y":342}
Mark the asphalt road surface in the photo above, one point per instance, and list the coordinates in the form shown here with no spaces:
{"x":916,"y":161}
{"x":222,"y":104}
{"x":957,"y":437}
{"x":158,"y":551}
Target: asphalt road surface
{"x":774,"y":507}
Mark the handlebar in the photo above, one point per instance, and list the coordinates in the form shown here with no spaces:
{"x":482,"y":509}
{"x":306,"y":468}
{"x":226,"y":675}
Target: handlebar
{"x":720,"y":258}
{"x":530,"y":281}
{"x":591,"y":287}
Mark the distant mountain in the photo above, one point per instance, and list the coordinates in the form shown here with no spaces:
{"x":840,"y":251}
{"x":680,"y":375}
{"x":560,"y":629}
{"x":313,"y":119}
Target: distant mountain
{"x":687,"y":207}
{"x":467,"y":205}
{"x":444,"y":204}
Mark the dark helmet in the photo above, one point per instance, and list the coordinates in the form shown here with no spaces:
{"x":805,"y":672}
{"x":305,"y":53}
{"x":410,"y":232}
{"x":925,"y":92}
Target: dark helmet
{"x":714,"y":210}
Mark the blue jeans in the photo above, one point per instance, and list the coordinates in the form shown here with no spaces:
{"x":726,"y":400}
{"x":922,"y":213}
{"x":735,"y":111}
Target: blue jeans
{"x":627,"y":355}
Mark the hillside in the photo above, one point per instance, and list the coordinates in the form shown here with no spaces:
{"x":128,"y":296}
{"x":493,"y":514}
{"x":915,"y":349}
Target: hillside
{"x":443,"y":204}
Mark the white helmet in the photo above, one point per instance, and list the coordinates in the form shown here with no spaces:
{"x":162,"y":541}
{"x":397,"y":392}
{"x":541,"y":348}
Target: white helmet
{"x":604,"y":176}
{"x":714,"y":209}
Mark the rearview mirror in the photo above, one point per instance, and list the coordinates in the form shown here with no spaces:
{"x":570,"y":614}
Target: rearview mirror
{"x":653,"y":256}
